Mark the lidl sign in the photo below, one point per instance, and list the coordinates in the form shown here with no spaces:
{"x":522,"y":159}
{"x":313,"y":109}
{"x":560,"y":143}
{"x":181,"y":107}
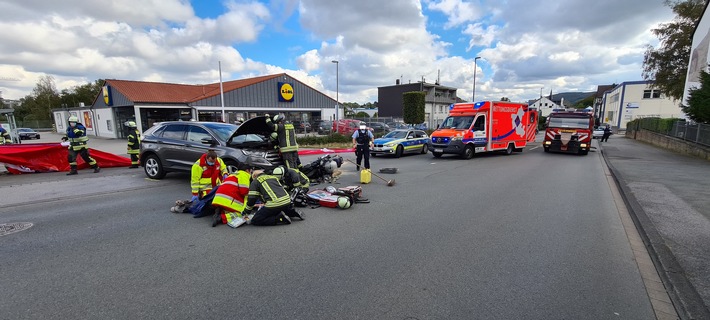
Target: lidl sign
{"x":285,"y":92}
{"x":108,"y":99}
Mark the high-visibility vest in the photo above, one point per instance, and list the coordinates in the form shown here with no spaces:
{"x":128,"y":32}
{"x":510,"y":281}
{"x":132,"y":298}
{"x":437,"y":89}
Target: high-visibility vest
{"x":232,"y":193}
{"x":269,"y":190}
{"x":204,"y":178}
{"x":77,"y":137}
{"x":134,"y":142}
{"x":286,"y":135}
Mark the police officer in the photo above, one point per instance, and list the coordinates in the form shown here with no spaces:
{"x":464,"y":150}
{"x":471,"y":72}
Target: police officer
{"x":286,"y":135}
{"x":76,"y":135}
{"x":4,"y":136}
{"x":362,"y":139}
{"x":134,"y":144}
{"x":277,"y":206}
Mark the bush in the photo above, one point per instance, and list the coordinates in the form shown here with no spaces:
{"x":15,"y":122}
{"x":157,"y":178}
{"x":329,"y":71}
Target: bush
{"x":322,"y":141}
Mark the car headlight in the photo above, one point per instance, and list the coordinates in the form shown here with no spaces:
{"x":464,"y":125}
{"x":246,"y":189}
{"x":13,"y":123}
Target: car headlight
{"x":457,"y":138}
{"x":389,"y":144}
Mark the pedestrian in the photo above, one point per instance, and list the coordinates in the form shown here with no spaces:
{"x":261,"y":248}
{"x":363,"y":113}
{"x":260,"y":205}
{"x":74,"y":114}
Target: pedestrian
{"x":277,"y":206}
{"x":607,"y":133}
{"x":362,"y":139}
{"x":134,"y":144}
{"x":207,"y":173}
{"x":286,"y":137}
{"x":76,"y":135}
{"x":230,"y":197}
{"x":291,"y":178}
{"x":4,"y":136}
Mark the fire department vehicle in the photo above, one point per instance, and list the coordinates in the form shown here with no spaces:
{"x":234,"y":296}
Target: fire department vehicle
{"x":484,"y":126}
{"x":569,"y":132}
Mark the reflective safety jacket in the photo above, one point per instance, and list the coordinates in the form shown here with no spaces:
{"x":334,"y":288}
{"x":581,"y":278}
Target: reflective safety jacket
{"x":286,"y":135}
{"x":269,"y":190}
{"x":134,"y":142}
{"x":294,"y":178}
{"x":77,"y":137}
{"x":232,"y":192}
{"x":4,"y":136}
{"x":205,"y":177}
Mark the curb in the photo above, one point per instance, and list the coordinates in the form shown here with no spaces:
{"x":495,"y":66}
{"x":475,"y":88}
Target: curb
{"x":686,"y":300}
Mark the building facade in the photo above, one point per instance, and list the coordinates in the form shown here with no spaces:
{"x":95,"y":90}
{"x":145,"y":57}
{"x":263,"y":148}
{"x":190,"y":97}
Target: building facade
{"x":636,"y":99}
{"x":436,"y":102}
{"x":147,"y":103}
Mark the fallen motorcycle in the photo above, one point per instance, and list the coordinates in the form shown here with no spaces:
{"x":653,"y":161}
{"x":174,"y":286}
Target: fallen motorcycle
{"x":323,"y":169}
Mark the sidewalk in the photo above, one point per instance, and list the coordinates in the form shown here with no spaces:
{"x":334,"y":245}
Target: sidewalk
{"x":668,"y":196}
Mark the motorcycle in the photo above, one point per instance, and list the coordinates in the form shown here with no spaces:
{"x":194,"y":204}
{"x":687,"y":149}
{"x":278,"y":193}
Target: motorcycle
{"x":323,"y":169}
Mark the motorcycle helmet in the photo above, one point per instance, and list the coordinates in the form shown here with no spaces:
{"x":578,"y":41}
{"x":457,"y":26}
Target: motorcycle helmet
{"x":344,"y":202}
{"x":331,"y":189}
{"x":330,"y":166}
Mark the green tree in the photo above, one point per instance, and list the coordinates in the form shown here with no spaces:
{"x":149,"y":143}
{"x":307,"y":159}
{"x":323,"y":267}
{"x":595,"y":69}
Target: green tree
{"x":586,"y":102}
{"x":667,"y":66}
{"x":85,"y":93}
{"x":413,"y":105}
{"x":698,"y":108}
{"x":362,"y":114}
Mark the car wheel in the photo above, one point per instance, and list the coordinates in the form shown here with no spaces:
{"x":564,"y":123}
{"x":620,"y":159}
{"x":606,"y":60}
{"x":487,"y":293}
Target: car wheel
{"x":373,"y":154}
{"x":583,"y":152}
{"x":153,"y":167}
{"x":38,"y":137}
{"x":399,"y":151}
{"x":437,"y":154}
{"x":509,"y":150}
{"x":231,"y":166}
{"x":468,"y":152}
{"x":425,"y":148}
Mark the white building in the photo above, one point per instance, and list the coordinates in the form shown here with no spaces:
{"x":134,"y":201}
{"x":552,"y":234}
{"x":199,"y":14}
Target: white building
{"x":699,"y":53}
{"x":545,"y":106}
{"x":636,"y":99}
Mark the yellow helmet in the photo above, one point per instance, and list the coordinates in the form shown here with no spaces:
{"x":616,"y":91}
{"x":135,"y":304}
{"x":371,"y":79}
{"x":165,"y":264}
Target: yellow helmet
{"x":131,"y":124}
{"x":73,"y":119}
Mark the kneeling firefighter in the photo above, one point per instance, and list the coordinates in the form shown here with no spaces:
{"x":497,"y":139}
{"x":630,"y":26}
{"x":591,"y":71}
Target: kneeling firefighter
{"x":277,"y":206}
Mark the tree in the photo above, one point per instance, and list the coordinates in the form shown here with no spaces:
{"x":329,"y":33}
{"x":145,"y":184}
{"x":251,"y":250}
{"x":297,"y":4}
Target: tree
{"x":362,"y":114}
{"x":504,"y":99}
{"x":698,"y":108}
{"x":413,"y":107}
{"x":668,"y":64}
{"x":586,"y":102}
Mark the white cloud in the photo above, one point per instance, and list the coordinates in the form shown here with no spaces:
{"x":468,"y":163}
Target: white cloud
{"x":458,"y":12}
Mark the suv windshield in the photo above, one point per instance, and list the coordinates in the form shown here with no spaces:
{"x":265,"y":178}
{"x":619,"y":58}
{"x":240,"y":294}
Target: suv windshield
{"x":222,"y":130}
{"x":576,"y":123}
{"x":462,"y":123}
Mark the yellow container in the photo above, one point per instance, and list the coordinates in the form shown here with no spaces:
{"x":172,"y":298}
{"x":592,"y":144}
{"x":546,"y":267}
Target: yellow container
{"x":365,"y":176}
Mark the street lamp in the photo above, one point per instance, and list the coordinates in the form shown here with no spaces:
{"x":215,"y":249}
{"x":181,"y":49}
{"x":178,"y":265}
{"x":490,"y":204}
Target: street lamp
{"x":475,"y":66}
{"x":337,"y":99}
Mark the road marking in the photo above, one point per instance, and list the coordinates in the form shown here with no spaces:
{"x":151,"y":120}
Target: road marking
{"x":535,"y":148}
{"x":8,"y":228}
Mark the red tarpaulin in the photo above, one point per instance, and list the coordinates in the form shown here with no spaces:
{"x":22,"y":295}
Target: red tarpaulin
{"x":47,"y":157}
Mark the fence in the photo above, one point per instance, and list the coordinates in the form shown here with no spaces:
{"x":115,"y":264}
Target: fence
{"x":697,"y":133}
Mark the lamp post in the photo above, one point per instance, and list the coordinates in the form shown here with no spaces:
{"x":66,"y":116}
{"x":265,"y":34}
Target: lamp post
{"x":337,"y":99}
{"x":475,"y":66}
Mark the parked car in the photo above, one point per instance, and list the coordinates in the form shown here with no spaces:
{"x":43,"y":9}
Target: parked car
{"x":301,"y":126}
{"x":398,"y":125}
{"x":399,"y":142}
{"x":26,"y":133}
{"x":176,"y":145}
{"x":379,"y":127}
{"x":598,"y":132}
{"x":323,"y":126}
{"x":347,"y":126}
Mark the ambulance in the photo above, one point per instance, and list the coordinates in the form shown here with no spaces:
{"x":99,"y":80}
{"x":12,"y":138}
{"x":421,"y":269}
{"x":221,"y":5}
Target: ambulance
{"x":484,"y":126}
{"x":569,"y":132}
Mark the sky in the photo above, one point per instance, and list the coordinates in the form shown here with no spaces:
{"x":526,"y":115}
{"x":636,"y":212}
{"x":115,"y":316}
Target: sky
{"x":525,"y":47}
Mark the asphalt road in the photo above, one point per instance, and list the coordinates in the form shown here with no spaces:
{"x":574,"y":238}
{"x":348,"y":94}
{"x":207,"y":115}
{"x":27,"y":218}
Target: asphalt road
{"x":526,"y":236}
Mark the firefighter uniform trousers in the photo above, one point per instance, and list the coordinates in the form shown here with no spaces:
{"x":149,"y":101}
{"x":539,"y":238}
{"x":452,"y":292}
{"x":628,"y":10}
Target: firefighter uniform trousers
{"x":84,"y":153}
{"x":269,"y":216}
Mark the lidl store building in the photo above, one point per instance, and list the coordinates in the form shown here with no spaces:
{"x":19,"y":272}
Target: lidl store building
{"x":147,"y":103}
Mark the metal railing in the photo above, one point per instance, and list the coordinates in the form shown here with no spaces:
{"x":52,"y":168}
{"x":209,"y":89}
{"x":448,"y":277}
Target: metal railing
{"x":693,"y":132}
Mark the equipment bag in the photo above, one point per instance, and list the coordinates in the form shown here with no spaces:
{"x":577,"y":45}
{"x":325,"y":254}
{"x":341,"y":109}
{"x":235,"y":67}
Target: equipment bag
{"x":324,"y":198}
{"x":365,"y":176}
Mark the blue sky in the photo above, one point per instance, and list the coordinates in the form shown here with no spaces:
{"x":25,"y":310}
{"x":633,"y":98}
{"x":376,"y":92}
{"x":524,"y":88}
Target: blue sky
{"x":525,"y":46}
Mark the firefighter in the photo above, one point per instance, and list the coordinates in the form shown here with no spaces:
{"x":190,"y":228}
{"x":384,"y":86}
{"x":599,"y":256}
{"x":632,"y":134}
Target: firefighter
{"x":291,"y":178}
{"x":4,"y":136}
{"x":362,"y":139}
{"x":286,"y":136}
{"x":134,"y":144}
{"x":230,"y":196}
{"x":277,"y":206}
{"x":76,"y":135}
{"x":207,"y":173}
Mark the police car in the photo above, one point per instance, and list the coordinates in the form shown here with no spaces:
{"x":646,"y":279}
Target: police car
{"x":399,"y":142}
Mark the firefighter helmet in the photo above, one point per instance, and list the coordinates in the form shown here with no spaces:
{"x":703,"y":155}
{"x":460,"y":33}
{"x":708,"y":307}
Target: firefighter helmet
{"x":344,"y":202}
{"x":131,"y":124}
{"x":73,"y":119}
{"x":278,"y":171}
{"x":278,"y":118}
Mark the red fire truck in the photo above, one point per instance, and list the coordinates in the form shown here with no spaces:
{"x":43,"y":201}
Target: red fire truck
{"x":484,"y":126}
{"x":569,"y":132}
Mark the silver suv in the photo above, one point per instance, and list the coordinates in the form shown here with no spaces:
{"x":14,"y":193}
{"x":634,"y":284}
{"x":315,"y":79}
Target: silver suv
{"x":176,"y":145}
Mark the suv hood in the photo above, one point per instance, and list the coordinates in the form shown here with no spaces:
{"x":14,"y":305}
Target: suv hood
{"x":254,"y":126}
